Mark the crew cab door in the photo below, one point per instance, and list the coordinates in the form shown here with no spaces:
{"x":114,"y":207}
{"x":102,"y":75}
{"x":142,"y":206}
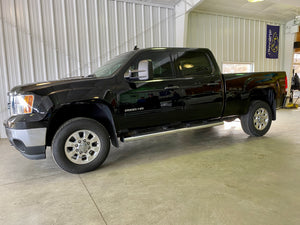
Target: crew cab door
{"x":150,"y":102}
{"x":200,"y":84}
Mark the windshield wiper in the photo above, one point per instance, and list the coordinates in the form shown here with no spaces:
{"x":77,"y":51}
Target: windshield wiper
{"x":91,"y":75}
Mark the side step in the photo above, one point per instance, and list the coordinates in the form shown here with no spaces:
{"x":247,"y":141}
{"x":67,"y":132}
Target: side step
{"x":133,"y":138}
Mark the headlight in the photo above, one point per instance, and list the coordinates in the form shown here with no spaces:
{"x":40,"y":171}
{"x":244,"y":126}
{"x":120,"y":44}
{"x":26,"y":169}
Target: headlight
{"x":21,"y":104}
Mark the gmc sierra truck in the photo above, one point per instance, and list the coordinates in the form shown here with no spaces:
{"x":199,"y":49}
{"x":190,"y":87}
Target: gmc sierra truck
{"x":138,"y":93}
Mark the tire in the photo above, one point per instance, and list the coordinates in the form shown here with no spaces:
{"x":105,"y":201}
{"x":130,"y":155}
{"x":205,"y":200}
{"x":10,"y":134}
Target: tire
{"x":258,"y":120}
{"x":80,"y":145}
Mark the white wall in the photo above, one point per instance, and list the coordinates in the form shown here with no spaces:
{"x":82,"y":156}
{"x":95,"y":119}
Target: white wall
{"x":182,"y":8}
{"x":48,"y":40}
{"x":234,"y":39}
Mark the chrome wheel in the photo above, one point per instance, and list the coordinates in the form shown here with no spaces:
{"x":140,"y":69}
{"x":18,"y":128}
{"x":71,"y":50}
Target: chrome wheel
{"x":82,"y":146}
{"x":261,"y":118}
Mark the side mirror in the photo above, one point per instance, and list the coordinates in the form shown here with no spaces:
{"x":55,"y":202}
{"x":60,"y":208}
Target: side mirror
{"x":143,"y":69}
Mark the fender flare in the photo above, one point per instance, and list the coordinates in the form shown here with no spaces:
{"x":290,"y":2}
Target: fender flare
{"x":111,"y":126}
{"x":99,"y":111}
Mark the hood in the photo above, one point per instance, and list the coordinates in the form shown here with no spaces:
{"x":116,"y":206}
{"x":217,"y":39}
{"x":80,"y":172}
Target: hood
{"x":37,"y":87}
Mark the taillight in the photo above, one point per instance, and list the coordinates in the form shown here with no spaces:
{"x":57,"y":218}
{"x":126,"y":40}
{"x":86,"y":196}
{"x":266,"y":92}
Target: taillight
{"x":286,"y":83}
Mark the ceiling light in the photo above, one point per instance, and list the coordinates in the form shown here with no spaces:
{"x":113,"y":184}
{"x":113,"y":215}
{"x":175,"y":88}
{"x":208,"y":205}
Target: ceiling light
{"x":255,"y":0}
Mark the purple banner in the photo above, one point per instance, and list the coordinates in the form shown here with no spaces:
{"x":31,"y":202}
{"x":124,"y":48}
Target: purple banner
{"x":272,"y":42}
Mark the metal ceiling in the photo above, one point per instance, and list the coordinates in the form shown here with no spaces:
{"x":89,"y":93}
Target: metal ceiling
{"x":170,"y":2}
{"x":271,"y":10}
{"x":161,"y":2}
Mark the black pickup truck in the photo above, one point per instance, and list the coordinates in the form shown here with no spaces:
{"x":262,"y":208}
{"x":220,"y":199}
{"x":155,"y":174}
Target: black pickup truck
{"x":138,"y":93}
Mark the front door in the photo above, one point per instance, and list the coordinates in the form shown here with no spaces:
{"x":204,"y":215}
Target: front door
{"x":151,"y":102}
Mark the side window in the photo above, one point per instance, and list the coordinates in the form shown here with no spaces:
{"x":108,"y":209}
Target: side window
{"x":192,"y":63}
{"x":162,"y":67}
{"x":161,"y":64}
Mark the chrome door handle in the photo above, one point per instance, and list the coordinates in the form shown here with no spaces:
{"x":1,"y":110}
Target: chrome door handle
{"x":212,"y":84}
{"x":171,"y":87}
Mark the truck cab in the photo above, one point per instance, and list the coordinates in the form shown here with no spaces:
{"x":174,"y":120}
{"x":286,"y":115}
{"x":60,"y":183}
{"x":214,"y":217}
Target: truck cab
{"x":170,"y":85}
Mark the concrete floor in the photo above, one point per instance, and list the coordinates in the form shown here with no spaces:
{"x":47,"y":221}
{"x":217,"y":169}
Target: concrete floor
{"x":210,"y":176}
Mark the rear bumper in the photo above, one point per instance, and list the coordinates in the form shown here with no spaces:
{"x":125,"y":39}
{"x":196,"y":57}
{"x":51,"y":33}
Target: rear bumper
{"x":30,"y":142}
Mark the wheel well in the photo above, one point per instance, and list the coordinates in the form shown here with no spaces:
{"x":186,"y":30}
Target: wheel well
{"x":266,"y":95}
{"x":98,"y":112}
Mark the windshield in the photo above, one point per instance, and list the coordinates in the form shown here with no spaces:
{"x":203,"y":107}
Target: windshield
{"x":113,"y":65}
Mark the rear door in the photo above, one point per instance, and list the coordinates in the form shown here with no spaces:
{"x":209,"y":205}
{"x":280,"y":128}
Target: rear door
{"x":200,"y":85}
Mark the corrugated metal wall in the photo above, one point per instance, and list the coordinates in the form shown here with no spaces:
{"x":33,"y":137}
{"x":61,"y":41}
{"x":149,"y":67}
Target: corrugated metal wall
{"x":234,"y":39}
{"x":51,"y":39}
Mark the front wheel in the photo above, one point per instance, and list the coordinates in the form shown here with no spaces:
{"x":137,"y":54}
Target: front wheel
{"x":80,"y":145}
{"x":258,"y":120}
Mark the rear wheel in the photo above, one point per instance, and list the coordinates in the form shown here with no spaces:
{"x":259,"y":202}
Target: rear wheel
{"x":258,"y":120}
{"x":80,"y":145}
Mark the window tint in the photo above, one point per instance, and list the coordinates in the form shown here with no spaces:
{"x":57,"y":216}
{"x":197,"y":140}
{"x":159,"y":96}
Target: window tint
{"x":162,"y":66}
{"x":193,"y":63}
{"x":161,"y":63}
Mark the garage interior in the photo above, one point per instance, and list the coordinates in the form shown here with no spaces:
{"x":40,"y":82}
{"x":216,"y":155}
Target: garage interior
{"x":213,"y":175}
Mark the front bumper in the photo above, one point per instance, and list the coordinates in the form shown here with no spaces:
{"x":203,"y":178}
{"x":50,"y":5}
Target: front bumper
{"x":30,"y":142}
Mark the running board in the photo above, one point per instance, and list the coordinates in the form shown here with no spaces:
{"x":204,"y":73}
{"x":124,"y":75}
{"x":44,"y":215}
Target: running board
{"x":172,"y":131}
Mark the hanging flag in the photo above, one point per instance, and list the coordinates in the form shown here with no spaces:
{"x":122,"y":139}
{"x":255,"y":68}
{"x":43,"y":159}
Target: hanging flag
{"x":272,"y":42}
